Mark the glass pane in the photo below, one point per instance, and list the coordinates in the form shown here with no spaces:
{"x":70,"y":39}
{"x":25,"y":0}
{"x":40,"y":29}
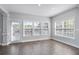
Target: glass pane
{"x":37,"y":29}
{"x":36,"y":25}
{"x":27,"y":28}
{"x":44,"y":28}
{"x":59,"y":28}
{"x":36,"y":32}
{"x":44,"y":25}
{"x":27,"y":25}
{"x":44,"y":32}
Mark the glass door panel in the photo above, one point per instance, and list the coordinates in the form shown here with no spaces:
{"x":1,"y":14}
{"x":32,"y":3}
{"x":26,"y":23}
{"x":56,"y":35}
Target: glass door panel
{"x":15,"y":31}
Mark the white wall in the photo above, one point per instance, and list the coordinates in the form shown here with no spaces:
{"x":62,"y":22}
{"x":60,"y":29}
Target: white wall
{"x":3,"y":23}
{"x":19,"y":17}
{"x":1,"y":27}
{"x":64,"y":16}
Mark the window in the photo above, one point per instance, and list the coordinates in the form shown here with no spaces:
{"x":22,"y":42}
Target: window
{"x":44,"y":28}
{"x":37,"y":30}
{"x":27,"y":28}
{"x":65,"y":28}
{"x":40,"y":28}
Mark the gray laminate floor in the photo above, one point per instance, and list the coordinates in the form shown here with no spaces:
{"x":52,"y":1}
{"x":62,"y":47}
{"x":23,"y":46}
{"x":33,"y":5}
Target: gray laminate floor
{"x":45,"y":47}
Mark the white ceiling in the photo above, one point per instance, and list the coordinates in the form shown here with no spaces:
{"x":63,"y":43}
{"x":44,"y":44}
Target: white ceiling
{"x":46,"y":10}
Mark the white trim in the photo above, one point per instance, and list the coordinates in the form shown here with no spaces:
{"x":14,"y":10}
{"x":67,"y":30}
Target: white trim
{"x":4,"y":44}
{"x":21,"y":41}
{"x":31,"y":40}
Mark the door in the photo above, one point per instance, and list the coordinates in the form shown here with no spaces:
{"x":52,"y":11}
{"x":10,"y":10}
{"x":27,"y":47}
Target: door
{"x":15,"y":31}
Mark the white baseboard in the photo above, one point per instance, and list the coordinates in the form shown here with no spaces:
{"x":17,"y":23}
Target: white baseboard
{"x":19,"y":41}
{"x":4,"y":44}
{"x":31,"y":40}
